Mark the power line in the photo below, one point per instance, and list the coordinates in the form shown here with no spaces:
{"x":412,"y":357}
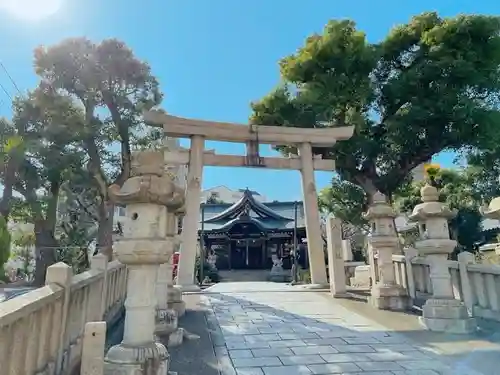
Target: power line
{"x":6,"y":92}
{"x":10,"y":78}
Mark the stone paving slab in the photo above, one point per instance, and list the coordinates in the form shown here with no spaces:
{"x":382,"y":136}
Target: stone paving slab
{"x":272,"y":329}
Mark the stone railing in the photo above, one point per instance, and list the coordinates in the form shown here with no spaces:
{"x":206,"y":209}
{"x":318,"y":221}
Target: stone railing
{"x":477,"y":285}
{"x":41,"y":331}
{"x":483,"y":299}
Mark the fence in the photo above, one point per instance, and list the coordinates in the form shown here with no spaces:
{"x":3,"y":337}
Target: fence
{"x":477,"y":285}
{"x":41,"y":332}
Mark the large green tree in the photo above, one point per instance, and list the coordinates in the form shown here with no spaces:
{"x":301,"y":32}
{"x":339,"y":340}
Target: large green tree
{"x":45,"y":155}
{"x":112,"y":87}
{"x":430,"y":85}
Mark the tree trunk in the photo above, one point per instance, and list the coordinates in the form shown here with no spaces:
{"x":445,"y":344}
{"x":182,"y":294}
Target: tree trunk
{"x":45,"y":251}
{"x":105,"y":229}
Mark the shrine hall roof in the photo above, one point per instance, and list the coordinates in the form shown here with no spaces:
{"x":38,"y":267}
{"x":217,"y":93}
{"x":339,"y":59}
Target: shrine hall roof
{"x":266,"y":216}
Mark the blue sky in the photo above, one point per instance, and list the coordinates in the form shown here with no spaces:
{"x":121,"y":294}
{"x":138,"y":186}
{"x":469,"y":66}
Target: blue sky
{"x":212,"y":57}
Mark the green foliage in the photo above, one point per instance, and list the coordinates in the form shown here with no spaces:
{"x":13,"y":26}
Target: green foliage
{"x":5,"y":243}
{"x":208,"y":270}
{"x":345,"y":201}
{"x":430,"y":85}
{"x":24,"y":243}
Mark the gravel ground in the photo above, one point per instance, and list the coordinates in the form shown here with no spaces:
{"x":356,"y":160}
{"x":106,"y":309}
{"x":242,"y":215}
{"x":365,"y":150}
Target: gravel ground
{"x":196,"y":355}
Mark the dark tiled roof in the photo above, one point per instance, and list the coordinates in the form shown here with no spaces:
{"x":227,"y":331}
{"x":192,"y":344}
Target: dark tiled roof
{"x":266,"y":216}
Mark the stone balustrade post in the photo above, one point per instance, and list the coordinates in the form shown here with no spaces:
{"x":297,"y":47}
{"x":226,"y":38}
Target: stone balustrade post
{"x":100,"y":263}
{"x":336,"y":268}
{"x":148,"y":195}
{"x":410,"y":254}
{"x":94,"y":340}
{"x":347,"y":251}
{"x":464,"y":259}
{"x":386,"y":294}
{"x":442,"y":312}
{"x":61,"y":274}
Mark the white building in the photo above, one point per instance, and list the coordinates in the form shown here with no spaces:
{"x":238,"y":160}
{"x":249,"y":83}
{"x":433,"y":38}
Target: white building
{"x":224,"y":194}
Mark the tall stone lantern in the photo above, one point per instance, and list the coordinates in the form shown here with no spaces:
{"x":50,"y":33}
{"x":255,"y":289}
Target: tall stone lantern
{"x":383,"y":240}
{"x":493,"y":212}
{"x":148,"y":197}
{"x":442,"y":312}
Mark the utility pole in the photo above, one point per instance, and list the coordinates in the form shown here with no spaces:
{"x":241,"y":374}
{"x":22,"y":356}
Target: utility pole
{"x":202,"y":243}
{"x":294,"y":276}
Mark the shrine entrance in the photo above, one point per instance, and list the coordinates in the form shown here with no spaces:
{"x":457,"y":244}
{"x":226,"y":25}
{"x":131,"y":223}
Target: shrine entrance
{"x":252,"y":135}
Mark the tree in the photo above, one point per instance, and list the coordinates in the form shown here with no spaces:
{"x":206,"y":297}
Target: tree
{"x":24,"y":244}
{"x":457,"y":191}
{"x":212,"y":199}
{"x":430,"y":85}
{"x":346,"y":201}
{"x":112,"y":87}
{"x":45,"y":157}
{"x":5,"y":239}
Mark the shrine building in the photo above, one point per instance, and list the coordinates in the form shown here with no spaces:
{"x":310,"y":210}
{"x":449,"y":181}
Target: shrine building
{"x":246,"y":234}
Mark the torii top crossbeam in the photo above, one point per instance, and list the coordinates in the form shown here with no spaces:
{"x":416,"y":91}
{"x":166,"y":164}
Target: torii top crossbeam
{"x":231,"y":132}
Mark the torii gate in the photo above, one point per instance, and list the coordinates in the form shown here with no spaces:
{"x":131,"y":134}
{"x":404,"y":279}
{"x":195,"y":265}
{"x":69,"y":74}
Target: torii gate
{"x":252,"y":136}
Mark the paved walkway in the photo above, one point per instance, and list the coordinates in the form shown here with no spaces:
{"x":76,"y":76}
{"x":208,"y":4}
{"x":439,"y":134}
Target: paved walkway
{"x":274,"y":329}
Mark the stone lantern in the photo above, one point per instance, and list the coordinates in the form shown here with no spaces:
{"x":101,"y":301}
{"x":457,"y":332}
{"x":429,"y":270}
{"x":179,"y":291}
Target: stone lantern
{"x":149,"y":200}
{"x":493,"y":212}
{"x":442,"y":312}
{"x":383,"y":240}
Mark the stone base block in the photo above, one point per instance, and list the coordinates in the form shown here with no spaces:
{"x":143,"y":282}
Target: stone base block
{"x":175,"y":302}
{"x":362,"y":278}
{"x":166,"y":322}
{"x":175,"y":338}
{"x":392,"y":298}
{"x":188,"y":288}
{"x":178,"y":306}
{"x":278,"y":278}
{"x":152,"y":359}
{"x":450,"y":316}
{"x":317,"y":286}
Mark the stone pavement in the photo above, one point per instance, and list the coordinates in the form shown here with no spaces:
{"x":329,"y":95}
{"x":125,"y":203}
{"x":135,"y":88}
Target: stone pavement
{"x":274,"y":329}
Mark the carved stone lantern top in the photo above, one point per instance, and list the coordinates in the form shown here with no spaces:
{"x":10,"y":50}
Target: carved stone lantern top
{"x":430,"y":206}
{"x":379,"y":208}
{"x":148,"y":183}
{"x":433,"y":217}
{"x":492,"y":211}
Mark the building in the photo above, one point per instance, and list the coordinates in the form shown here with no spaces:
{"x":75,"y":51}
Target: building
{"x":247,"y":233}
{"x":225,"y":195}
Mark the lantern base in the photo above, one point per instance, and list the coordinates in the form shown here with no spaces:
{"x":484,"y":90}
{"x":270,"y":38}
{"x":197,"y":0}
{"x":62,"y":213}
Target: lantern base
{"x":447,"y":315}
{"x":389,"y":297}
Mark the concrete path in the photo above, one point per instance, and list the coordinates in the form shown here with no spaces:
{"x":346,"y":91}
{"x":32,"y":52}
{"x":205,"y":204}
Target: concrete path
{"x":273,"y":329}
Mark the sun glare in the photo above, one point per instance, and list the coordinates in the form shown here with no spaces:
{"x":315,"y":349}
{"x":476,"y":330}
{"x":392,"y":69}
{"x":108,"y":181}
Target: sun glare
{"x":30,"y":9}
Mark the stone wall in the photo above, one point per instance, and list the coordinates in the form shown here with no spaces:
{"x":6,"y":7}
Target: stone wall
{"x":41,"y":331}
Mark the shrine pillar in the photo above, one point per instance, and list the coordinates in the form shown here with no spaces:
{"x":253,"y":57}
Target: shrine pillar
{"x":315,"y":246}
{"x":189,"y":235}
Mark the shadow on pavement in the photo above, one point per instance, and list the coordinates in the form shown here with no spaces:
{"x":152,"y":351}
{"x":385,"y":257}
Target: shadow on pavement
{"x":241,"y":328}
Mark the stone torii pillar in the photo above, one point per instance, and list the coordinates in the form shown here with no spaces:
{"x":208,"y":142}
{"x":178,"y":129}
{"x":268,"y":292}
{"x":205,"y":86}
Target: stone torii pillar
{"x":149,"y":198}
{"x":189,"y":235}
{"x":315,"y":243}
